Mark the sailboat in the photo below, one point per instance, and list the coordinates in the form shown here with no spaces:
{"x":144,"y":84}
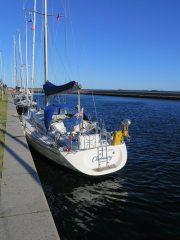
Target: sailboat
{"x":26,"y":99}
{"x":64,"y":134}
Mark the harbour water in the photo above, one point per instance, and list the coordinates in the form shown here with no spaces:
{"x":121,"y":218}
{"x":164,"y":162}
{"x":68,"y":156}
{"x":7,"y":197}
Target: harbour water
{"x":141,"y":201}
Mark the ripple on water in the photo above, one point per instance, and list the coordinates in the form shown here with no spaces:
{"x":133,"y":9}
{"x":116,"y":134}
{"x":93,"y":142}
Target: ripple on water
{"x":141,"y":201}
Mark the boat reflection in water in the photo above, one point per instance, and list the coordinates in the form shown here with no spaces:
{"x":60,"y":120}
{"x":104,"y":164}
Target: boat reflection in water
{"x":81,"y":205}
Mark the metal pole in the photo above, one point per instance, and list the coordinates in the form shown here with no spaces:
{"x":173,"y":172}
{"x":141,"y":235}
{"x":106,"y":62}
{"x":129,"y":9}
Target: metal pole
{"x":26,"y":64}
{"x":1,"y":66}
{"x":14,"y":62}
{"x":4,"y":74}
{"x":65,"y":47}
{"x":20,"y":57}
{"x":1,"y":75}
{"x":78,"y":100}
{"x":4,"y":80}
{"x":12,"y":75}
{"x":82,"y":118}
{"x":106,"y":152}
{"x":33,"y":51}
{"x":45,"y":47}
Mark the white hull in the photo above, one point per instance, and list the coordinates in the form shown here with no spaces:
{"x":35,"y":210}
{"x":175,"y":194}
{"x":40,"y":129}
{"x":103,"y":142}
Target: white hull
{"x":85,"y":161}
{"x":51,"y":153}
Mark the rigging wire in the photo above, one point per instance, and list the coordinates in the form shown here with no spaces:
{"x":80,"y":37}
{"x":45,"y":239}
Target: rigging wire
{"x":55,"y":47}
{"x":55,"y":52}
{"x":86,"y":60}
{"x":39,"y":55}
{"x":54,"y":40}
{"x":52,"y":51}
{"x":68,"y":61}
{"x":61,"y":60}
{"x":67,"y":58}
{"x":57,"y":67}
{"x":65,"y":39}
{"x":74,"y":41}
{"x":38,"y":66}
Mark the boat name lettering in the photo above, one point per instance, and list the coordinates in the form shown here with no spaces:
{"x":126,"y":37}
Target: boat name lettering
{"x":102,"y":159}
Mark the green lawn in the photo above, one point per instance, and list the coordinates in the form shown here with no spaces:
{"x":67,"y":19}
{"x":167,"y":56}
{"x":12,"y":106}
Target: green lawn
{"x":3,"y":116}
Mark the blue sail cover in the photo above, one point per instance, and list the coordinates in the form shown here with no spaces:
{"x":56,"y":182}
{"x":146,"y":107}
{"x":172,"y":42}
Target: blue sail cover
{"x":49,"y":110}
{"x":73,"y":121}
{"x":50,"y":88}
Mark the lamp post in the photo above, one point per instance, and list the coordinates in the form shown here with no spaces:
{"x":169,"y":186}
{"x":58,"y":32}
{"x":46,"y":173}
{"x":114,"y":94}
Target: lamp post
{"x":1,"y":74}
{"x":4,"y":81}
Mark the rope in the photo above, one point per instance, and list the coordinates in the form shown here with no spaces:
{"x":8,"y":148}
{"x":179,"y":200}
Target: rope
{"x":10,"y":113}
{"x":86,"y":60}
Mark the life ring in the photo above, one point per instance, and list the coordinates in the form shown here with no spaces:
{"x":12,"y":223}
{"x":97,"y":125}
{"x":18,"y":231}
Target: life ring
{"x":66,"y":149}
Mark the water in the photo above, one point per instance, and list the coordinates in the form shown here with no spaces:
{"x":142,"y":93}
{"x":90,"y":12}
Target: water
{"x":141,"y":201}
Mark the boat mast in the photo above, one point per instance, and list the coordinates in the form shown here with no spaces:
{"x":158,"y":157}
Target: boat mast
{"x":26,"y":63}
{"x":65,"y":46}
{"x":33,"y":51}
{"x":12,"y":74}
{"x":45,"y":47}
{"x":20,"y":57}
{"x":13,"y":66}
{"x":15,"y":63}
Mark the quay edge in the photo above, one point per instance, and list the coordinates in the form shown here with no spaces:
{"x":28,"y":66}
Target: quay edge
{"x":24,"y":211}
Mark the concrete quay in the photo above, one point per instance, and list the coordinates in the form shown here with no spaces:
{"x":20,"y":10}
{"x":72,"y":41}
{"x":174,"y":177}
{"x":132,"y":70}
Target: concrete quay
{"x":24,"y":212}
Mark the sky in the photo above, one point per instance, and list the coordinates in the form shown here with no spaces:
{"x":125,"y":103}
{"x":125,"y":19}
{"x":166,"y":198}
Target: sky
{"x":129,"y":44}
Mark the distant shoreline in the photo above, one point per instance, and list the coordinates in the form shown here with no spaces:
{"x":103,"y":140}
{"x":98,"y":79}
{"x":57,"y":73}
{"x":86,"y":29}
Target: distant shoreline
{"x":137,"y":94}
{"x":168,"y":95}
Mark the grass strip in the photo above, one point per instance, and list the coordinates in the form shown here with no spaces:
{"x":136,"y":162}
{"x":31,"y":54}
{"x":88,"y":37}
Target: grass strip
{"x":3,"y":117}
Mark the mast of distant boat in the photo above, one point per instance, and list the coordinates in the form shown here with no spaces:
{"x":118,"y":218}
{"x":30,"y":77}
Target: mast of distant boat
{"x":20,"y":57}
{"x":15,"y":62}
{"x":34,"y":22}
{"x":45,"y":48}
{"x":12,"y":75}
{"x":26,"y":64}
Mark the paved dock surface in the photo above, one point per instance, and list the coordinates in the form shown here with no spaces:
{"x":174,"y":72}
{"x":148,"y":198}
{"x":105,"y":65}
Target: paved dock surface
{"x":24,"y":212}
